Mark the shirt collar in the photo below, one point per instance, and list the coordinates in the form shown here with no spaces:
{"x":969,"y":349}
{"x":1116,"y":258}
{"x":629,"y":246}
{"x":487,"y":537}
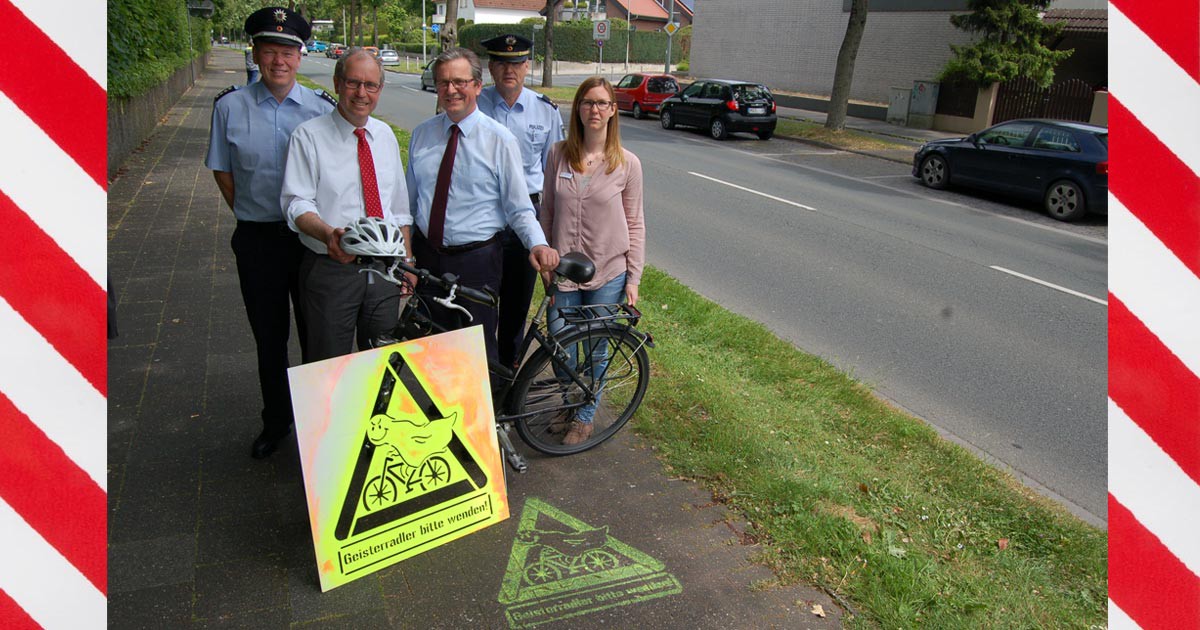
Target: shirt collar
{"x":261,"y":93}
{"x":466,"y":125}
{"x":344,"y":127}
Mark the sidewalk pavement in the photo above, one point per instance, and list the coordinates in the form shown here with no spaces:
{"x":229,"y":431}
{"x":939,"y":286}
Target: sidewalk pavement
{"x":201,"y":535}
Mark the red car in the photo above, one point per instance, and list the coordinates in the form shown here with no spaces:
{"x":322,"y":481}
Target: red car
{"x":641,"y":93}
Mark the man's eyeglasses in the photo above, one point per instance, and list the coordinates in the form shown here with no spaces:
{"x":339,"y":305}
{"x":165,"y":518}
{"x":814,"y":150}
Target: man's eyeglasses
{"x":369,"y":86}
{"x":598,"y":105}
{"x":459,"y":84}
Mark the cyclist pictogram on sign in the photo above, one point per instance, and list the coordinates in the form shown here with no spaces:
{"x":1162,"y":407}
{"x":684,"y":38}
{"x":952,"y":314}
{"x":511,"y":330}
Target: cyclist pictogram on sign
{"x":561,"y":567}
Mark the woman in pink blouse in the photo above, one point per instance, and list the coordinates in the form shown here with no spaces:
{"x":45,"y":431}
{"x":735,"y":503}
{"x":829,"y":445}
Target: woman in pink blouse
{"x":592,"y":203}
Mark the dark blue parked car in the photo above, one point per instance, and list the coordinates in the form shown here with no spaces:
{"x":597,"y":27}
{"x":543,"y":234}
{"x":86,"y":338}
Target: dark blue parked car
{"x":1063,"y":164}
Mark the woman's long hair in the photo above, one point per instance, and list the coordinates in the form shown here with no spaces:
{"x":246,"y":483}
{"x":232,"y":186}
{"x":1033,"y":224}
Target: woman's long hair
{"x":574,"y":142}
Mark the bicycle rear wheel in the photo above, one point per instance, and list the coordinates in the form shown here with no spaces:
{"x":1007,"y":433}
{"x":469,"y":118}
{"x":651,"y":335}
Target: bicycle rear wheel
{"x":544,"y":398}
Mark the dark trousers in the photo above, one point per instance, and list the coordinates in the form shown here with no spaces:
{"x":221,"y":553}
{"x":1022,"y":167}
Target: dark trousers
{"x":477,"y":268}
{"x":268,"y":261}
{"x":344,"y":304}
{"x":516,"y":290}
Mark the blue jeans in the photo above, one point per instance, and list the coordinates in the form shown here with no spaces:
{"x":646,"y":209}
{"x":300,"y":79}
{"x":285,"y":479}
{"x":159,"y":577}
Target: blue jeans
{"x":613,"y":292}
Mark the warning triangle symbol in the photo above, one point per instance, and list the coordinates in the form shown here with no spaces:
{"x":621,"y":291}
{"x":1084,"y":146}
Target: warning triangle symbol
{"x":557,"y":556}
{"x":412,"y":456}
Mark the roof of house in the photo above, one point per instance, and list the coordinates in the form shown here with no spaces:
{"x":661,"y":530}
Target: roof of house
{"x":519,"y":5}
{"x":643,"y":8}
{"x":1080,"y":20}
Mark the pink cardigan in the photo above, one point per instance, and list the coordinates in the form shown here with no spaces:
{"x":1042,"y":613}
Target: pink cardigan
{"x":603,"y":220}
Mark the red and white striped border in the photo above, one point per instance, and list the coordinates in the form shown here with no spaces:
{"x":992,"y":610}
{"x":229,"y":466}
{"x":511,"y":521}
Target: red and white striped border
{"x":1154,"y":315}
{"x":53,"y":365}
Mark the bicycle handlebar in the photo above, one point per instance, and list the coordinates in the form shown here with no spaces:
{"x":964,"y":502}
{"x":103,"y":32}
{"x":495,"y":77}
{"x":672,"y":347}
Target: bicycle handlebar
{"x":447,"y":281}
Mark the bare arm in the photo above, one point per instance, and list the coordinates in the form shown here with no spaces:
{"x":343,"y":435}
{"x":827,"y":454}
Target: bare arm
{"x":225,"y":183}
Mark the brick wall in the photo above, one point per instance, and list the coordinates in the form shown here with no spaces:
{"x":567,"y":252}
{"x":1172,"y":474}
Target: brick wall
{"x":793,"y":45}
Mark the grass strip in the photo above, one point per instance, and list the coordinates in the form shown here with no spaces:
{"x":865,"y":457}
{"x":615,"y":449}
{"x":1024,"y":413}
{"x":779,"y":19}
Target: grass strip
{"x":846,"y":492}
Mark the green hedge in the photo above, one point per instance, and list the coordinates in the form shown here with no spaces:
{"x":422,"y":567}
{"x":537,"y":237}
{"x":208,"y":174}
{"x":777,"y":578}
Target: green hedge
{"x":573,"y":42}
{"x":147,"y":42}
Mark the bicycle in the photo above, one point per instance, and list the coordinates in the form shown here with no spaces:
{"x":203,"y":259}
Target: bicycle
{"x":551,"y":384}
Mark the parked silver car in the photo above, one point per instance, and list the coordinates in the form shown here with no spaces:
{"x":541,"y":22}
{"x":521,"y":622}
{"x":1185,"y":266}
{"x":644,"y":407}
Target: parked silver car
{"x":389,"y":57}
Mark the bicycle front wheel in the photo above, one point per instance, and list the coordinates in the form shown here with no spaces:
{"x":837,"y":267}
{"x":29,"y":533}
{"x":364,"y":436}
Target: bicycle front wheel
{"x":612,"y":363}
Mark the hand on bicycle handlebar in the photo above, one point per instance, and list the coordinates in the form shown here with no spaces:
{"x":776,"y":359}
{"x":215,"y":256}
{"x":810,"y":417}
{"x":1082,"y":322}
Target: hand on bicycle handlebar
{"x":543,"y":258}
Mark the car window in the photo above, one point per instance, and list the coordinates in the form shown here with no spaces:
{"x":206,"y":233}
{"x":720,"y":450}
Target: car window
{"x":1103,"y":138}
{"x":630,"y":81}
{"x":662,"y":86}
{"x":1052,"y":139}
{"x":751,"y":92}
{"x":694,"y":89}
{"x":714,"y":90}
{"x":1010,"y":134}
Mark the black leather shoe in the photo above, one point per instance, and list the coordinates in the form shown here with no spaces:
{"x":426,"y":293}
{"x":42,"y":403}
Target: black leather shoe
{"x":267,"y":442}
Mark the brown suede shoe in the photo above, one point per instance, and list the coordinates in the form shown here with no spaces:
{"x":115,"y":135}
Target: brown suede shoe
{"x":578,"y":433}
{"x":562,"y":423}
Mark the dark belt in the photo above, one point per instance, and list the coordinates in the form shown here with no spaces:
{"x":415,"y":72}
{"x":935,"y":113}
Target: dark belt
{"x":450,"y":250}
{"x":536,"y":198}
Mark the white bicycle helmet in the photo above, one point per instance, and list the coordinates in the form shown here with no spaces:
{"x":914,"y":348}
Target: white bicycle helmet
{"x":371,"y":236}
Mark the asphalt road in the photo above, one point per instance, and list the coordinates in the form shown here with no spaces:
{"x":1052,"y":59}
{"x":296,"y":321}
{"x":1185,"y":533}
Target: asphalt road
{"x":981,"y":316}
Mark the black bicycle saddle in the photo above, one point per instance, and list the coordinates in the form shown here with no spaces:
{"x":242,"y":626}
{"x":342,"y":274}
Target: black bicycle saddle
{"x":576,"y":267}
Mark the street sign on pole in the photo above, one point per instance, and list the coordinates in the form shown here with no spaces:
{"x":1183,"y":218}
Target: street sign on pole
{"x":436,"y":28}
{"x":671,"y":28}
{"x":600,"y":30}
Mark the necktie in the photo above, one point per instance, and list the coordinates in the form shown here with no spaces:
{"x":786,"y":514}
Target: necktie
{"x":366,"y":169}
{"x":437,"y":212}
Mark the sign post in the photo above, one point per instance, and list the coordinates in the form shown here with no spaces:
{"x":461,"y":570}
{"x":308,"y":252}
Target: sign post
{"x":600,"y":34}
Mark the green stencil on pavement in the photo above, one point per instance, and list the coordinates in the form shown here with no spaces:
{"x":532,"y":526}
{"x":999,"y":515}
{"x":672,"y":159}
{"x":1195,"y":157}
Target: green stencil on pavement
{"x":561,"y":567}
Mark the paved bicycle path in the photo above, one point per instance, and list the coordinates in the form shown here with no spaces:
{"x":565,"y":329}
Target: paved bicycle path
{"x":201,"y":535}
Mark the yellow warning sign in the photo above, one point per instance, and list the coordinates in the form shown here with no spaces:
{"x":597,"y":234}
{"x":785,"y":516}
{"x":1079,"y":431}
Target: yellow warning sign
{"x":398,"y":449}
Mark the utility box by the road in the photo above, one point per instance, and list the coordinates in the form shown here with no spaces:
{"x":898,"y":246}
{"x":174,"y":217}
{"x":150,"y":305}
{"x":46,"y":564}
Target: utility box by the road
{"x":922,"y":104}
{"x":897,"y":113}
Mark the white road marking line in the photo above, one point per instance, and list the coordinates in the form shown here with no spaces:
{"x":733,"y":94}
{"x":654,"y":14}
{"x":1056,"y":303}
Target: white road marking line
{"x":750,"y":190}
{"x":1050,"y":285}
{"x":790,"y":153}
{"x":905,"y":176}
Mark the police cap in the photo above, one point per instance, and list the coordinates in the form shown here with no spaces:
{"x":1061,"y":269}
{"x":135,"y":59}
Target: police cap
{"x":278,"y":26}
{"x":508,"y":48}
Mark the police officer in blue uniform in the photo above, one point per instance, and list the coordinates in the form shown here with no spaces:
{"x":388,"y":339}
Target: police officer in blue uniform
{"x":535,"y":121}
{"x":247,"y":148}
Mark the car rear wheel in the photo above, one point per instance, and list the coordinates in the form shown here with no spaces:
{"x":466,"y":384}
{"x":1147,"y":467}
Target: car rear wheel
{"x":1064,"y":201}
{"x":667,"y":119}
{"x":637,"y":112}
{"x":717,"y":129}
{"x":935,"y":173}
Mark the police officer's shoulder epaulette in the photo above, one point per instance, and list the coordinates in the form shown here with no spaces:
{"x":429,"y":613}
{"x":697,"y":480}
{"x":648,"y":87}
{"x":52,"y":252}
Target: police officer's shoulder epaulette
{"x":227,"y":90}
{"x":543,"y":97}
{"x":325,"y":95}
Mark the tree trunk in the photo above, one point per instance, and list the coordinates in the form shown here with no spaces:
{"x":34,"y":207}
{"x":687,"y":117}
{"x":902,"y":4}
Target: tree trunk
{"x":844,"y":74}
{"x":548,"y":60}
{"x":449,"y":35}
{"x":374,"y":25}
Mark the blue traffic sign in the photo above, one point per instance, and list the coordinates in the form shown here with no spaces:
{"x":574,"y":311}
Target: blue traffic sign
{"x":436,"y":28}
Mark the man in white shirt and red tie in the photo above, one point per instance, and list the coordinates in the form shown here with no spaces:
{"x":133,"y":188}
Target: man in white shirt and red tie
{"x":340,"y":168}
